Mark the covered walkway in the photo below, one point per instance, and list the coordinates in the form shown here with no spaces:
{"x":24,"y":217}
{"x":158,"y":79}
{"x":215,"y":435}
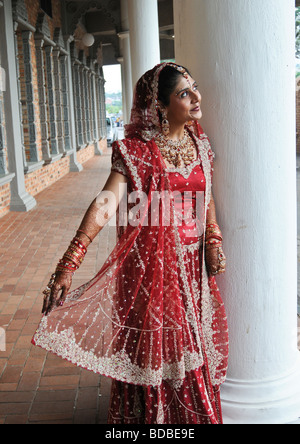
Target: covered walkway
{"x":254,"y":184}
{"x":36,"y":387}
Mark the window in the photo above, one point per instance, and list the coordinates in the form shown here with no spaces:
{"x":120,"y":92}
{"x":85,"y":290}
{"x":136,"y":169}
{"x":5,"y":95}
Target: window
{"x":46,"y":6}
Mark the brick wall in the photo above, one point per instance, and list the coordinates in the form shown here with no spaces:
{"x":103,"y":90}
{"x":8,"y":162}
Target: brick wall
{"x":5,"y":189}
{"x":33,"y":10}
{"x":45,"y":176}
{"x":4,"y":199}
{"x":42,"y":178}
{"x":86,"y":154}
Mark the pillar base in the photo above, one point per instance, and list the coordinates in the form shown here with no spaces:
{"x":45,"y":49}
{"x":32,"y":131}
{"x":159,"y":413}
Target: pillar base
{"x":98,"y":150}
{"x":75,"y":166}
{"x":24,"y":202}
{"x":262,"y":402}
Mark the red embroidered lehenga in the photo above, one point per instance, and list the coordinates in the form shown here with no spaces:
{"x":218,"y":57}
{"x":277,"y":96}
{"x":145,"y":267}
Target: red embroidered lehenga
{"x":151,"y":319}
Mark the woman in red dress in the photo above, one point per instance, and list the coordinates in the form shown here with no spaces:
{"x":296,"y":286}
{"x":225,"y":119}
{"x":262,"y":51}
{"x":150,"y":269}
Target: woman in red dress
{"x":152,"y":319}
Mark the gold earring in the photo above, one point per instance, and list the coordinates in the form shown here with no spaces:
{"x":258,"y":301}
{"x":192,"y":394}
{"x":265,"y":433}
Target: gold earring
{"x":165,"y":125}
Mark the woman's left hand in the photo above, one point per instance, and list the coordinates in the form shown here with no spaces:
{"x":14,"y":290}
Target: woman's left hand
{"x":215,"y":261}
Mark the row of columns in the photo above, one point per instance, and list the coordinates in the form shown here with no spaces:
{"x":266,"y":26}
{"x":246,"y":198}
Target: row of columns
{"x":242,"y":54}
{"x":61,"y":133}
{"x":141,"y":16}
{"x":89,"y":99}
{"x":140,"y":48}
{"x":20,"y":199}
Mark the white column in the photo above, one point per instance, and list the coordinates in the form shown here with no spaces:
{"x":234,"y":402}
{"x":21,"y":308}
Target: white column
{"x":126,"y":61}
{"x":144,"y":36}
{"x":20,"y":199}
{"x":75,"y":166}
{"x":242,"y":54}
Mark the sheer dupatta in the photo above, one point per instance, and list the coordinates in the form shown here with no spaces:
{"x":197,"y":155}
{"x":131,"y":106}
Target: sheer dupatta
{"x":137,"y":320}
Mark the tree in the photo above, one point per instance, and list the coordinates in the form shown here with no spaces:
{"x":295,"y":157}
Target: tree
{"x":298,"y":33}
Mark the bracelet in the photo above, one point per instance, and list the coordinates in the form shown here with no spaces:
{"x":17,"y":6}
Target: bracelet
{"x":78,"y":243}
{"x":213,"y":235}
{"x":213,"y":226}
{"x":213,"y":231}
{"x":213,"y":243}
{"x":73,"y":257}
{"x":82,"y":232}
{"x":66,"y":267}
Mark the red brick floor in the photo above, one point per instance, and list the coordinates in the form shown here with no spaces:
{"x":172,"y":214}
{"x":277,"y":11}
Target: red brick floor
{"x":37,"y":387}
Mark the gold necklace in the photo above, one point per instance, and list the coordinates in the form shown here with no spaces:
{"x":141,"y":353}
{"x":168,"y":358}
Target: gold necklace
{"x":176,"y":152}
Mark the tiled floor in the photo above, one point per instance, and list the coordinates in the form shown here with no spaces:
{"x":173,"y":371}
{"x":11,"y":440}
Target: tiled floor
{"x":36,"y":387}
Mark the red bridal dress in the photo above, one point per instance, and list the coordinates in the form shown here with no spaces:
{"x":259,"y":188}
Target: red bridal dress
{"x":151,"y":319}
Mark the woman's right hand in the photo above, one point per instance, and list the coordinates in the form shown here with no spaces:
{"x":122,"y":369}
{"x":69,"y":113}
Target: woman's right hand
{"x":58,"y":293}
{"x":215,"y":261}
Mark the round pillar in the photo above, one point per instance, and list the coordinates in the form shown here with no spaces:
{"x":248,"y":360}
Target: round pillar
{"x":144,"y":36}
{"x":126,"y":61}
{"x":126,"y":75}
{"x":242,"y":54}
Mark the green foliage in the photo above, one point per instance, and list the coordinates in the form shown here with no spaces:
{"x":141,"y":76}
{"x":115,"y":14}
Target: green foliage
{"x":297,"y":16}
{"x":113,"y":109}
{"x":113,"y":103}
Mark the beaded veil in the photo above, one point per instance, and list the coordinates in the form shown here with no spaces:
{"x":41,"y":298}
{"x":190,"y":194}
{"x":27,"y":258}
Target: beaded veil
{"x":144,"y":319}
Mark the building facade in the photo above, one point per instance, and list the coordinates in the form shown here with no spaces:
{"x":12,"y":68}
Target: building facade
{"x":241,"y":52}
{"x":52,"y":96}
{"x":52,"y":102}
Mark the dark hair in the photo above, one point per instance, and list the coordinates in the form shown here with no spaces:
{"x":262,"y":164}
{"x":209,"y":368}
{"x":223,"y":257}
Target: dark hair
{"x":168,"y":80}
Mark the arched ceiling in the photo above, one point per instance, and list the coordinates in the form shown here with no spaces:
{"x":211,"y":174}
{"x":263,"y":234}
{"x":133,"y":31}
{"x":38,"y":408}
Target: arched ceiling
{"x":102,"y":18}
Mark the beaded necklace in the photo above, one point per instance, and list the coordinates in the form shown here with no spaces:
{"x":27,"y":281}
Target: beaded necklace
{"x":177,"y":152}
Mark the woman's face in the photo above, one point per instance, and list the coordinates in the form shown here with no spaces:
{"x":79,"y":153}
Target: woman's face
{"x":185,"y":102}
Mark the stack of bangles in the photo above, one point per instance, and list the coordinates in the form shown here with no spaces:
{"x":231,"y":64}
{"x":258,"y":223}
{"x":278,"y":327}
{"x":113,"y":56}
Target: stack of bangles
{"x":214,"y":240}
{"x":73,"y":257}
